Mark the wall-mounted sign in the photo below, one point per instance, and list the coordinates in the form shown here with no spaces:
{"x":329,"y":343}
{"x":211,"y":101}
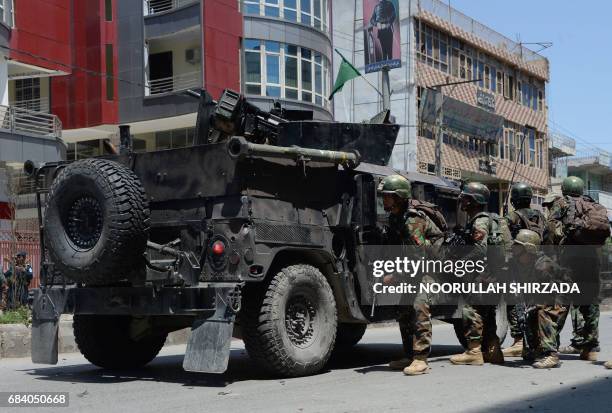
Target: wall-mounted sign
{"x":485,"y":100}
{"x":381,"y":34}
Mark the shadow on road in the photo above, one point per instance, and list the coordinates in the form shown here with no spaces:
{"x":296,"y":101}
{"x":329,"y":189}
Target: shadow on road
{"x":169,"y":369}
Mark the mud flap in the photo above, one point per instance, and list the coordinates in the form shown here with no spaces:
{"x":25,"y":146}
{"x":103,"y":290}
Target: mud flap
{"x":208,"y":348}
{"x":46,"y":311}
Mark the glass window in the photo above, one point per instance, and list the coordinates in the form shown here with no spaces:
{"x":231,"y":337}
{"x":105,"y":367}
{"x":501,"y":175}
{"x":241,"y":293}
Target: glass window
{"x":108,"y":10}
{"x":318,"y":79}
{"x":253,"y":67}
{"x":251,"y":44}
{"x":306,"y":11}
{"x":306,"y":75}
{"x":273,"y":69}
{"x":316,"y":13}
{"x":273,"y":47}
{"x":291,"y":72}
{"x":251,"y":7}
{"x":273,"y":91}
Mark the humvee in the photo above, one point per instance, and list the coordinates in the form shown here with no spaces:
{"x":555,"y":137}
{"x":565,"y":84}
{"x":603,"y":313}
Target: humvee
{"x":254,"y":231}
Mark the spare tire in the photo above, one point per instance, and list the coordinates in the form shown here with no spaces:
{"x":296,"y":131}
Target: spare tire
{"x":96,"y":222}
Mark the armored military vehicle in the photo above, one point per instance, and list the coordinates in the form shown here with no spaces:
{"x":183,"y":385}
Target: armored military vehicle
{"x":253,"y":231}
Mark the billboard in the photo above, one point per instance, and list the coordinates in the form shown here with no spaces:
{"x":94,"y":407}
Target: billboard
{"x":381,"y":34}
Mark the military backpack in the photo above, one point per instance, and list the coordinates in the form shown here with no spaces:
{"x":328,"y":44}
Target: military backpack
{"x":532,"y":220}
{"x":586,"y":221}
{"x":432,"y":211}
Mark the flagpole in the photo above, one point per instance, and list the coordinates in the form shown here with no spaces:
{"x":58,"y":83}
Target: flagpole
{"x":362,"y":76}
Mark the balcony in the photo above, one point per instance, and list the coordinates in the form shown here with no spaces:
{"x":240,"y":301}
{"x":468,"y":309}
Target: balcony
{"x":596,"y":161}
{"x":36,"y":105}
{"x":22,"y":121}
{"x":176,"y":83}
{"x":561,"y":145}
{"x":162,"y":6}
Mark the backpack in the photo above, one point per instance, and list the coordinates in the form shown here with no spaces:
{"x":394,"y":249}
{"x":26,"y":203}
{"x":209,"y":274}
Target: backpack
{"x":432,"y":211}
{"x":532,"y":220}
{"x":499,"y":237}
{"x":586,"y":221}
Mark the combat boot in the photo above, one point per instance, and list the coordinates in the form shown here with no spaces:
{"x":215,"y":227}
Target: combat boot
{"x":549,"y":361}
{"x":515,"y":350}
{"x":492,"y":352}
{"x":608,"y":364}
{"x":400,"y":364}
{"x":418,"y":366}
{"x":588,"y":354}
{"x":569,"y":350}
{"x":472,"y":356}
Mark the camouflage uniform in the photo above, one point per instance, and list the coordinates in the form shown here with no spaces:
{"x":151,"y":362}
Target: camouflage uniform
{"x":417,"y":230}
{"x":479,"y":320}
{"x":516,"y":313}
{"x":586,"y":264}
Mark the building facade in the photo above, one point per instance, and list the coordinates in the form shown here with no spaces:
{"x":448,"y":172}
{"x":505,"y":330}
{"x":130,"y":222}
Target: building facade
{"x":490,"y":78}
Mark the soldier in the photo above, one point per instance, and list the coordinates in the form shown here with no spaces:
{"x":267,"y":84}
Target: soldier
{"x":544,"y":321}
{"x":522,"y":217}
{"x":18,"y":279}
{"x":479,"y":320}
{"x":411,"y":227}
{"x":583,"y":264}
{"x":383,"y":18}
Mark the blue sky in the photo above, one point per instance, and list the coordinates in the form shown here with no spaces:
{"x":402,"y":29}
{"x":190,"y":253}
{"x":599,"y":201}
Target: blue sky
{"x":580,"y":88}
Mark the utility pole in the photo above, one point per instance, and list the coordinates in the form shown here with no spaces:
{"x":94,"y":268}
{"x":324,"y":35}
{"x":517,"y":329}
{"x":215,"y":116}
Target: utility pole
{"x":386,"y":88}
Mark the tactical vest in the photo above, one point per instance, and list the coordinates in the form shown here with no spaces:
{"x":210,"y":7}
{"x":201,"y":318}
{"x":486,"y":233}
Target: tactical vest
{"x":529,"y":219}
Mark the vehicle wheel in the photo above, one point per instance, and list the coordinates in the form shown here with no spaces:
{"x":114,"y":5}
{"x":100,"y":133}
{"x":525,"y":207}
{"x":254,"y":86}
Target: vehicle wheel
{"x":96,"y":222}
{"x":105,"y":341}
{"x":501,"y":321}
{"x":348,"y":335}
{"x":289,"y":325}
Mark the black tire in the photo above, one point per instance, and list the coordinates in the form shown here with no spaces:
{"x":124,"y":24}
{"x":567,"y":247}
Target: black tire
{"x":96,"y":222}
{"x":501,"y":320}
{"x":289,"y":324}
{"x":348,"y":335}
{"x":105,"y":341}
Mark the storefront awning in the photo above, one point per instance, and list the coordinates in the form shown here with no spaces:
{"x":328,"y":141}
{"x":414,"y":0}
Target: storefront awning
{"x":461,"y":117}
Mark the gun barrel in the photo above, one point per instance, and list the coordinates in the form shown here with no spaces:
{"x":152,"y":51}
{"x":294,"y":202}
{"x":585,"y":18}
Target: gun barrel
{"x":240,"y":148}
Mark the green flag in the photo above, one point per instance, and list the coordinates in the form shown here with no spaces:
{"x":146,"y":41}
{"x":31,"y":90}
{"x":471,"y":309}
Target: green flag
{"x":346,"y":72}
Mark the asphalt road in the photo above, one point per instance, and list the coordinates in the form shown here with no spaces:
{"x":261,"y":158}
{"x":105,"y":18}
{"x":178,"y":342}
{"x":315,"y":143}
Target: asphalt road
{"x":356,"y":381}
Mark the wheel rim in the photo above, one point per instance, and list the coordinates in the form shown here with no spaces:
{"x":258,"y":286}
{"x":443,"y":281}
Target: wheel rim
{"x":300,"y":318}
{"x":84,"y":222}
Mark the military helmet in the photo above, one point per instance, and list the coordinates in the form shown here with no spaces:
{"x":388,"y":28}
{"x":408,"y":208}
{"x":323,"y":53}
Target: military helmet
{"x":573,"y":186}
{"x":529,"y":239}
{"x":398,"y":185}
{"x":521,"y":192}
{"x":477,"y":191}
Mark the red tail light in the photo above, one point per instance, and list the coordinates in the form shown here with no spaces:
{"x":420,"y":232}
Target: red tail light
{"x":218,"y":248}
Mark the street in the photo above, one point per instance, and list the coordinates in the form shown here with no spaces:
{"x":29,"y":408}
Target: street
{"x":355,"y":381}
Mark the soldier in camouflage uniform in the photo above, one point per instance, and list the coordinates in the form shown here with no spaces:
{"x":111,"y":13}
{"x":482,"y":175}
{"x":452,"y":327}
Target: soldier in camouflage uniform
{"x":585,"y":264}
{"x":577,"y":320}
{"x":544,"y":321}
{"x":478,"y":320}
{"x":522,"y":217}
{"x":411,"y":227}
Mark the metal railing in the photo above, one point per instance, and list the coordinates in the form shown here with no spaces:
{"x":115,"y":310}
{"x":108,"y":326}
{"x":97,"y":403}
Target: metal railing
{"x":160,"y":6}
{"x":17,"y":120}
{"x":563,"y":143}
{"x":467,"y":24}
{"x":174,"y":83}
{"x":591,"y":157}
{"x":37,"y":105}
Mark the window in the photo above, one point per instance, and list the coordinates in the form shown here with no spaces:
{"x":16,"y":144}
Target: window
{"x":108,"y":10}
{"x":508,"y":86}
{"x":313,"y":13}
{"x":487,"y":77}
{"x":500,"y":82}
{"x":286,"y":71}
{"x":532,"y":147}
{"x":540,"y":100}
{"x":432,"y":47}
{"x":27,"y":94}
{"x":519,"y":89}
{"x":110,"y":84}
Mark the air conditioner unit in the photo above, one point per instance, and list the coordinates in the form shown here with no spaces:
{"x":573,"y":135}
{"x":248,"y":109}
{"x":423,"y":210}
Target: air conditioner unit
{"x":192,"y":56}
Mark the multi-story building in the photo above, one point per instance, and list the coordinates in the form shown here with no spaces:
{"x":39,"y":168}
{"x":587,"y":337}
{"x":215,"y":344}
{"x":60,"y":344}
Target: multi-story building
{"x":594,"y":166}
{"x":132,"y":61}
{"x":32,"y":52}
{"x":504,"y":88}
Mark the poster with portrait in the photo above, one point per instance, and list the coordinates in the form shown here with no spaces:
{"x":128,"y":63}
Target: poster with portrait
{"x":381,"y":34}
